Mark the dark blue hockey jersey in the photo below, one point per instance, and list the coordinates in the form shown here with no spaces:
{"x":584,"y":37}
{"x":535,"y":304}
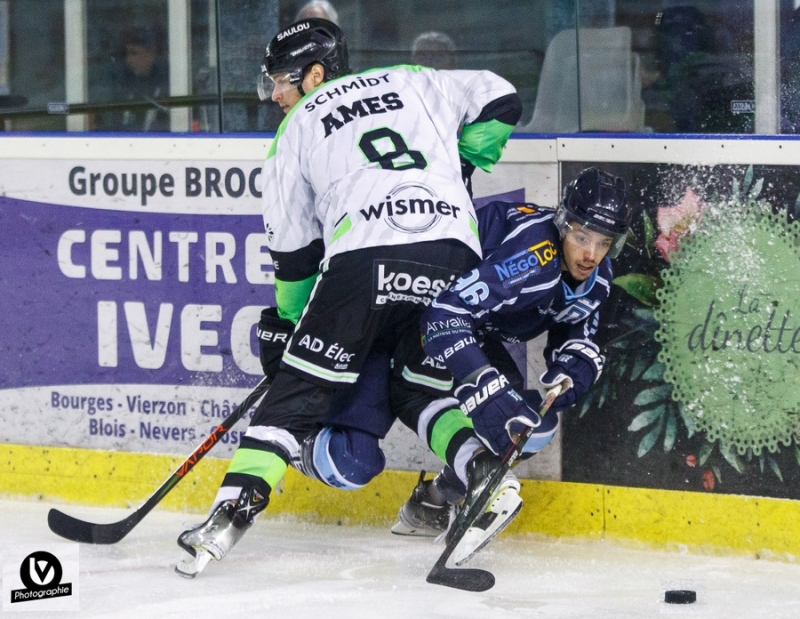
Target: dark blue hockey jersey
{"x":515,"y":294}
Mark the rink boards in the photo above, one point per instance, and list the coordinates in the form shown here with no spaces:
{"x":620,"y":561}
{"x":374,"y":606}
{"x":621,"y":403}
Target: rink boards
{"x":137,"y":269}
{"x":707,"y":523}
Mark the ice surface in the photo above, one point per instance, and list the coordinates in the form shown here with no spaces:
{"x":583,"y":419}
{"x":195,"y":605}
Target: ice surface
{"x":289,"y":569}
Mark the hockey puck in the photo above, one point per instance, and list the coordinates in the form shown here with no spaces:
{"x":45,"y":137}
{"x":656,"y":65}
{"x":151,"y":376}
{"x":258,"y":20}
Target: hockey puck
{"x":680,"y":596}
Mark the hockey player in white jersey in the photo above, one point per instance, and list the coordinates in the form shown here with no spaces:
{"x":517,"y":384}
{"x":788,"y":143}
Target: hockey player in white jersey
{"x":368,"y":219}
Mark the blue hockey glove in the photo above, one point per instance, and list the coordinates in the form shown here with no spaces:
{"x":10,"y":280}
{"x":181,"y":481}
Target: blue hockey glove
{"x":496,"y":410}
{"x":575,"y":366}
{"x":273,"y":334}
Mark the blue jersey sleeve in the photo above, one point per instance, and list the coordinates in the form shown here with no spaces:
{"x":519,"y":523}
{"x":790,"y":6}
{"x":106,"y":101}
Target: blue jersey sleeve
{"x":523,"y":272}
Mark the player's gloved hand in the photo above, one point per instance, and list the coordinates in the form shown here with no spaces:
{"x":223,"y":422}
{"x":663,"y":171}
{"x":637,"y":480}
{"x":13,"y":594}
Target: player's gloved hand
{"x":533,"y":398}
{"x":467,"y":169}
{"x":544,"y":432}
{"x":273,"y":334}
{"x":497,"y":411}
{"x":575,"y":366}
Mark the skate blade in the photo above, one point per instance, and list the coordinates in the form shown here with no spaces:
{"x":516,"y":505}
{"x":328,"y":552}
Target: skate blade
{"x":503,"y":509}
{"x":401,"y":528}
{"x":192,"y":566}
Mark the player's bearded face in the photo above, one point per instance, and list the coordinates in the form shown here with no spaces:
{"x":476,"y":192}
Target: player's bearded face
{"x":583,"y":249}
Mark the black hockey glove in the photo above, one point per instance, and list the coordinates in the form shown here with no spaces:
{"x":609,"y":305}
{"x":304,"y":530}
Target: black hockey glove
{"x":273,"y":334}
{"x":575,"y":366}
{"x":467,"y":169}
{"x":496,"y":410}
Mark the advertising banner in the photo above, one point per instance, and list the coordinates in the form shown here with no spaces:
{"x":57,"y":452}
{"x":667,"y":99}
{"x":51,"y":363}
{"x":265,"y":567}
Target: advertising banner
{"x":130,"y":295}
{"x":701,"y":386}
{"x":131,"y":289}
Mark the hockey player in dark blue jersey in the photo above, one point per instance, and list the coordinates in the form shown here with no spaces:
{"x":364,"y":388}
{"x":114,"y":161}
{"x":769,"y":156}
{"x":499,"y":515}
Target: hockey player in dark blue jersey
{"x":543,"y":271}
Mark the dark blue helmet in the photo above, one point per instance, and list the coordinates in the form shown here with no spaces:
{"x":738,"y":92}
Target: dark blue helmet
{"x":597,"y":201}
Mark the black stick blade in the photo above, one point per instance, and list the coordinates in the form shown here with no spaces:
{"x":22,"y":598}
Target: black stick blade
{"x":466,"y":579}
{"x":84,"y":532}
{"x":89,"y":533}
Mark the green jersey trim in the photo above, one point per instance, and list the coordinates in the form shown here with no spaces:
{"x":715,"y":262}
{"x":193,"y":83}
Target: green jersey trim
{"x":274,"y":146}
{"x":414,"y":68}
{"x":420,"y":379}
{"x":473,"y":225}
{"x":319,"y":372}
{"x":282,"y":127}
{"x":342,"y":229}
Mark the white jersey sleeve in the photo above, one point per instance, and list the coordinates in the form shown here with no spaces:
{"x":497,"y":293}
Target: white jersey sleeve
{"x":468,"y":92}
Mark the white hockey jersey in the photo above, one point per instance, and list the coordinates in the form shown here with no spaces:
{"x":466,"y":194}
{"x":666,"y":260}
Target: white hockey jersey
{"x":372,"y":159}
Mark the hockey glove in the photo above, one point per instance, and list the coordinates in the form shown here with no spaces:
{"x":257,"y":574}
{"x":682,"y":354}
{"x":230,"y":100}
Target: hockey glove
{"x":575,"y":366}
{"x":273,"y":334}
{"x":496,"y":410}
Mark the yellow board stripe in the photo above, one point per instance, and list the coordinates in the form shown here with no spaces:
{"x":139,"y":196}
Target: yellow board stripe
{"x":700,"y":521}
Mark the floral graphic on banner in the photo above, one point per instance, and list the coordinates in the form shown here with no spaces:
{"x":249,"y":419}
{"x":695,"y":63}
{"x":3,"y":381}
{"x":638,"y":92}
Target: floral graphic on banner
{"x":677,"y":221}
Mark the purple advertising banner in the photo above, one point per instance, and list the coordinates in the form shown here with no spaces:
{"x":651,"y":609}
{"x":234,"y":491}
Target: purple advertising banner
{"x":131,"y":283}
{"x":95,"y":296}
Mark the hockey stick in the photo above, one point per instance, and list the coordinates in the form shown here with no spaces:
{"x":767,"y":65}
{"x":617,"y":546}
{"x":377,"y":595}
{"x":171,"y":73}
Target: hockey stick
{"x":90,"y":533}
{"x":474,"y":579}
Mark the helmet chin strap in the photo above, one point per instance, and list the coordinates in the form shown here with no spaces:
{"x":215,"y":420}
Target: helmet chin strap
{"x":300,"y":85}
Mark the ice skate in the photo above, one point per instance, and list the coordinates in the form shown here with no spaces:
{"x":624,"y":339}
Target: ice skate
{"x":216,"y":536}
{"x":503,"y":506}
{"x":192,"y":564}
{"x":422,"y":515}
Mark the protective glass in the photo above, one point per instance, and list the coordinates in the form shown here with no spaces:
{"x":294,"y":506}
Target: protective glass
{"x":269,"y":85}
{"x":599,"y":243}
{"x":565,"y":222}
